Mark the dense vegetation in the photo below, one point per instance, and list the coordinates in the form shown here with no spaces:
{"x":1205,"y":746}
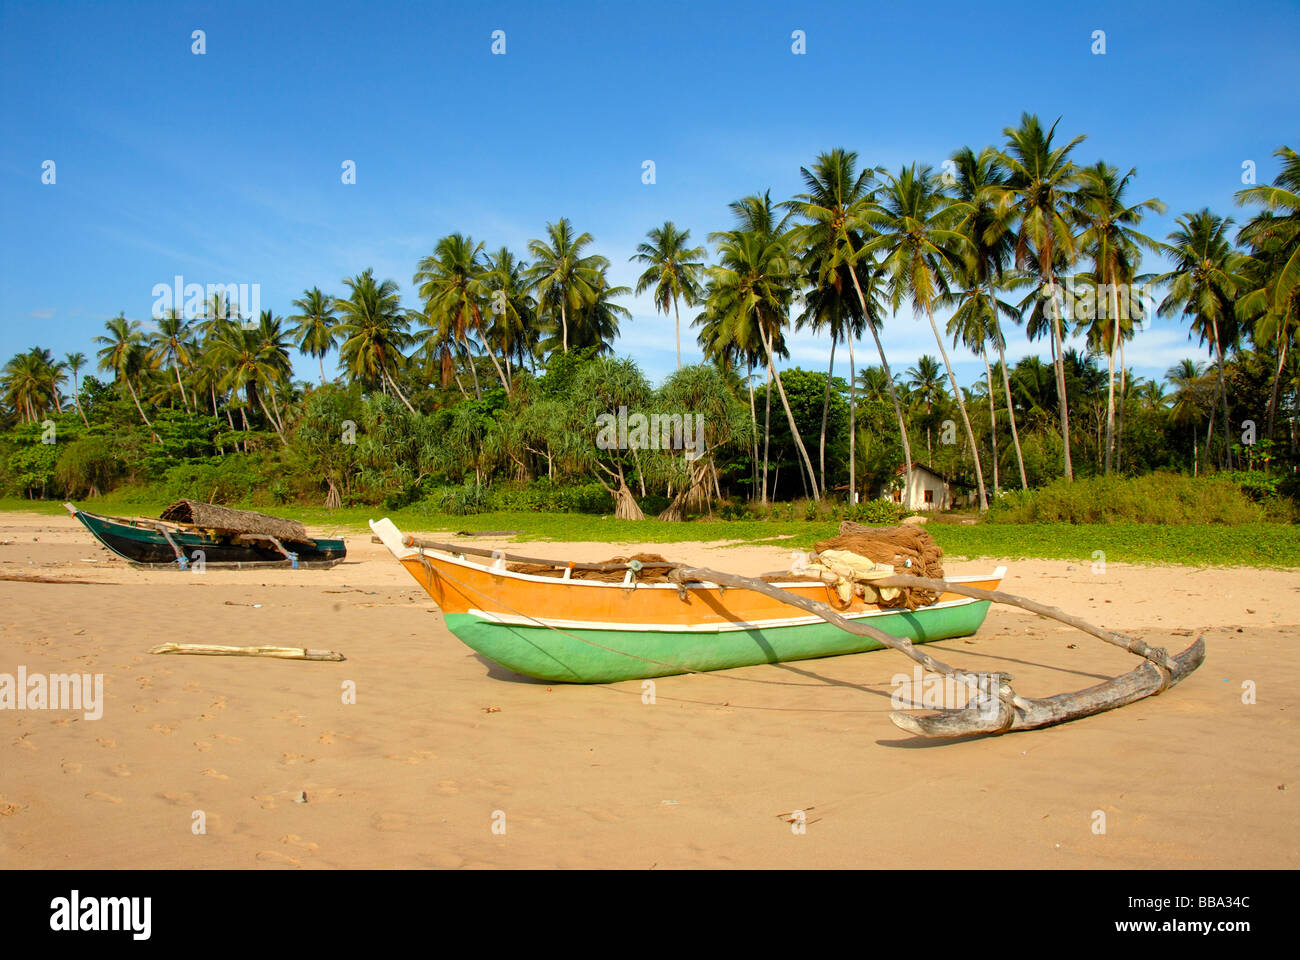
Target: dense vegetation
{"x":489,"y":395}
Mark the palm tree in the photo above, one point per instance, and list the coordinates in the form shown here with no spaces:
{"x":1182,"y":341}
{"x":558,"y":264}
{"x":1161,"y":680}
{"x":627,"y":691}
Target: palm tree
{"x":752,"y":289}
{"x":1274,"y":236}
{"x":1282,"y":199}
{"x":595,"y":325}
{"x":30,"y":383}
{"x":169,"y":347}
{"x":273,"y":344}
{"x":561,"y":275}
{"x":921,"y":251}
{"x":123,"y":354}
{"x":451,"y":283}
{"x":373,"y":326}
{"x":249,"y":367}
{"x":927,"y":382}
{"x":1114,"y":244}
{"x":1257,"y":307}
{"x":725,"y":343}
{"x":990,"y":248}
{"x":836,"y":204}
{"x":1039,"y":190}
{"x":673,"y":269}
{"x":974,"y":324}
{"x":75,"y":362}
{"x":1188,"y":380}
{"x":514,"y":312}
{"x":1204,"y":284}
{"x":314,"y":330}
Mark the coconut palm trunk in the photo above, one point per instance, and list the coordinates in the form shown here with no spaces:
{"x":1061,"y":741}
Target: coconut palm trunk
{"x":1058,"y":348}
{"x":1011,"y":416}
{"x":853,"y":428}
{"x":478,"y":324}
{"x":893,"y":393}
{"x":677,"y":320}
{"x":753,"y":444}
{"x":789,"y":416}
{"x":826,"y":409}
{"x":993,"y":421}
{"x":134,"y":397}
{"x":1277,"y":380}
{"x":1110,"y":392}
{"x":184,"y":399}
{"x":767,"y":433}
{"x":261,"y":402}
{"x":961,"y":406}
{"x":397,"y":390}
{"x":1209,"y":435}
{"x":76,"y":399}
{"x":1223,"y":395}
{"x":1119,"y":408}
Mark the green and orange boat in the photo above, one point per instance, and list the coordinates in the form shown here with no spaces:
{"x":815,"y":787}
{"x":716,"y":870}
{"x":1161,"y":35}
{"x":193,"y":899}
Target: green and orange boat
{"x":567,"y":630}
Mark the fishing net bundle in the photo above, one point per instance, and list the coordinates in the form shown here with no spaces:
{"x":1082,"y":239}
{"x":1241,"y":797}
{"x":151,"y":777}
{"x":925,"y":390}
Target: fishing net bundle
{"x":846,"y":563}
{"x":903,"y":549}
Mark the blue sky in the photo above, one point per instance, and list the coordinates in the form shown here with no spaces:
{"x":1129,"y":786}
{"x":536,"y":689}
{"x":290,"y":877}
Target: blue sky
{"x":226,"y":167}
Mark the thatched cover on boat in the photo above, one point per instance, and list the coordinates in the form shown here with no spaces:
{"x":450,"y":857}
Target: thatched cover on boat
{"x":213,"y":517}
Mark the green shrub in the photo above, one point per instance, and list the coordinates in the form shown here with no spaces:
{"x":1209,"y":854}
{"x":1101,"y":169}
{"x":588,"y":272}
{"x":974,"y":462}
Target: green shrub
{"x":542,"y":495}
{"x":229,"y":480}
{"x":1165,"y":498}
{"x":875,"y":512}
{"x":469,"y":498}
{"x":87,"y":466}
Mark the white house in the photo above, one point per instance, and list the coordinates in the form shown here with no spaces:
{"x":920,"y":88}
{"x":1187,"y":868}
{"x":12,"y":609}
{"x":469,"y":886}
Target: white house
{"x":926,"y":491}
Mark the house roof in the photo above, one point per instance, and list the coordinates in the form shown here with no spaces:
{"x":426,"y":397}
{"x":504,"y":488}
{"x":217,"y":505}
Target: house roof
{"x":921,"y":466}
{"x":962,"y":484}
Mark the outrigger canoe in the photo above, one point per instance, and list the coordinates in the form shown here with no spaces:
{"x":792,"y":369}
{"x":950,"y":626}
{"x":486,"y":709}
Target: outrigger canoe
{"x":148,"y":542}
{"x":588,"y":631}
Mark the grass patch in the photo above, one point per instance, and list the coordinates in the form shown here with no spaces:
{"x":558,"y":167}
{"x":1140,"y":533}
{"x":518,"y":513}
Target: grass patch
{"x":1156,"y":498}
{"x":1255,"y":544}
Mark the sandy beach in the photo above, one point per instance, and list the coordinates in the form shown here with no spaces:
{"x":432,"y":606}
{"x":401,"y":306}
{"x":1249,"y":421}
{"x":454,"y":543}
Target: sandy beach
{"x":441,"y":745}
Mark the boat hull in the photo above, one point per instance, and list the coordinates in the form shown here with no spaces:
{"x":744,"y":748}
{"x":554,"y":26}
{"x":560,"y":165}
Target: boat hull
{"x":146,"y":546}
{"x":586,"y":655}
{"x":583,"y":631}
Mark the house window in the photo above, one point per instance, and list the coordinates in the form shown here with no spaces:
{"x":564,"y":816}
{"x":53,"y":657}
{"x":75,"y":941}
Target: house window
{"x":929,"y":496}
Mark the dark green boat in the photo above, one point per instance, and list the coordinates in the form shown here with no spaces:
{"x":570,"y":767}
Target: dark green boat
{"x":238,"y":539}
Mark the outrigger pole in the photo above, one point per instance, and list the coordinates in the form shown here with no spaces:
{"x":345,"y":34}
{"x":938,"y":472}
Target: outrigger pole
{"x":1158,"y":673}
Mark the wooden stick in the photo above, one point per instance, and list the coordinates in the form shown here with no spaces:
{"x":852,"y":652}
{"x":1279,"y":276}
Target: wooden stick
{"x":219,"y":650}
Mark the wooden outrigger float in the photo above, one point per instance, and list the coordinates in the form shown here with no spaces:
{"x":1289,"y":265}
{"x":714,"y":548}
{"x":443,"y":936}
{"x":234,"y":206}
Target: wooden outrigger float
{"x":547,"y":624}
